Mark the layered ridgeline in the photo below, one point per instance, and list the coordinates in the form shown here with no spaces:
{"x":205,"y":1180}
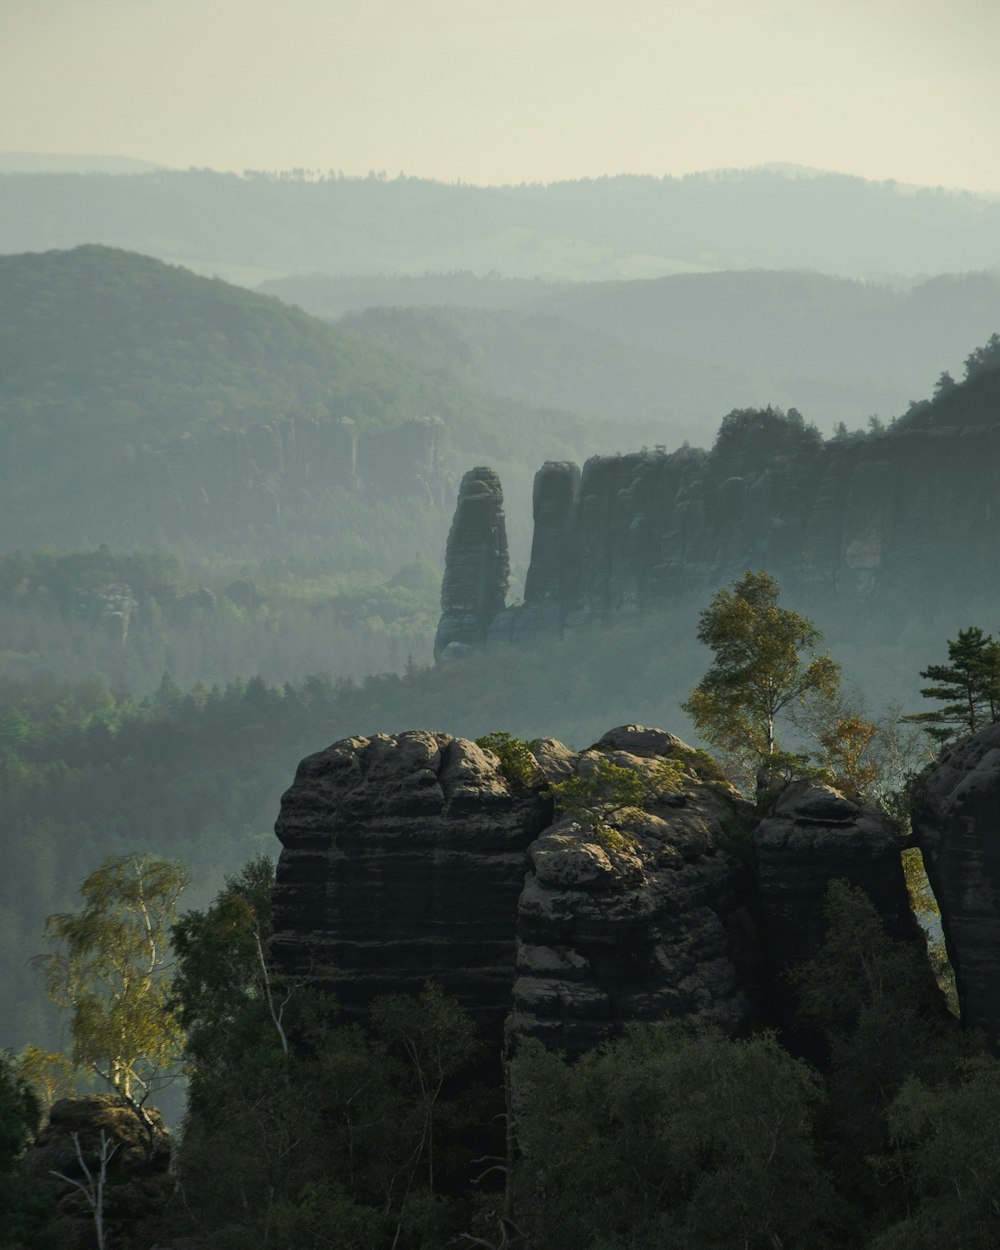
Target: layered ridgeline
{"x":622,"y":227}
{"x":680,"y":350}
{"x":140,"y":404}
{"x":861,"y":523}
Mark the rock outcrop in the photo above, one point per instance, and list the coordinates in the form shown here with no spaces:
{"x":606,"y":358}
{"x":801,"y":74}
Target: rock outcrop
{"x":477,"y":570}
{"x":137,"y":1161}
{"x":414,"y":858}
{"x":850,"y":520}
{"x":403,"y":860}
{"x":956,"y":820}
{"x":639,"y":915}
{"x":815,"y":835}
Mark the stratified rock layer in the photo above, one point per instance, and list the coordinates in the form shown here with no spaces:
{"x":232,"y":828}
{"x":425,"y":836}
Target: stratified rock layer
{"x":956,"y":820}
{"x":412,"y":858}
{"x":403,"y":860}
{"x":640,"y":916}
{"x":477,"y":569}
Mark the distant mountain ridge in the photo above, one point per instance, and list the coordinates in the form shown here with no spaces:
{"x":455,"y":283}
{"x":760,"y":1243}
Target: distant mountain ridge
{"x":681,"y":350}
{"x":627,"y":226}
{"x":140,"y":403}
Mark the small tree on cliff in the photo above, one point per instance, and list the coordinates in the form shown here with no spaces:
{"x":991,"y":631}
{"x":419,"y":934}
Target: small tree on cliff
{"x":759,"y":672}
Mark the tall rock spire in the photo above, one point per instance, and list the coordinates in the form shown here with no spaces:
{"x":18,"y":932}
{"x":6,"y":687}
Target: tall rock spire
{"x":476,"y":568}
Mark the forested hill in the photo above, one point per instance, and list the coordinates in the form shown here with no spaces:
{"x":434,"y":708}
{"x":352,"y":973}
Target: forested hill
{"x":259,"y":225}
{"x":140,"y":403}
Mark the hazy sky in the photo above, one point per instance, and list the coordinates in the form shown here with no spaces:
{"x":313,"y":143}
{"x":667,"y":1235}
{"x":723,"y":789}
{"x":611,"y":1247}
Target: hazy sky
{"x":511,"y":90}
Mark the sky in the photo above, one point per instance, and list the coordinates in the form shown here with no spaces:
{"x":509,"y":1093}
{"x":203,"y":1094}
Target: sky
{"x":501,"y":91}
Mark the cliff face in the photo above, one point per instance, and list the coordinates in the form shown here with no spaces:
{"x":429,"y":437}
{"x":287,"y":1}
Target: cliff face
{"x":863,"y":519}
{"x":413,"y":857}
{"x":956,"y":820}
{"x":403,"y":860}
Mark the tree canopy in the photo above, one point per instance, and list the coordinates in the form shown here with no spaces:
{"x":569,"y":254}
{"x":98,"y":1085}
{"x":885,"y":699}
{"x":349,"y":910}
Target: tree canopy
{"x":968,"y":686}
{"x":759,"y":670}
{"x":113,"y":972}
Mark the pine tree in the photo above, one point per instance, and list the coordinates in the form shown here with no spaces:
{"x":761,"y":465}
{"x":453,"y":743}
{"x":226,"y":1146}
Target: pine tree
{"x":968,"y":686}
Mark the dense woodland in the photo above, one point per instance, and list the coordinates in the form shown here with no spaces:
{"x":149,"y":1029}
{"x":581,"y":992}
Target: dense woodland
{"x":162,"y":675}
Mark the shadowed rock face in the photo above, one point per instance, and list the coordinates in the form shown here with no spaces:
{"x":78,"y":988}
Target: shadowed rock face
{"x":403,"y":860}
{"x":956,"y":820}
{"x":815,"y":835}
{"x":859,"y":520}
{"x":412,"y":858}
{"x":477,"y":569}
{"x":138,"y":1161}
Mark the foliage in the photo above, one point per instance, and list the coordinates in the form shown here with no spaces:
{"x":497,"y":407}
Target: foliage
{"x":969,"y":686}
{"x":516,"y":760}
{"x":874,"y":1003}
{"x":113,"y":973}
{"x":677,"y":1139}
{"x":25,"y":1201}
{"x":220,"y":957}
{"x":945,"y":1152}
{"x":49,"y":1074}
{"x":758,"y":436}
{"x":758,"y":671}
{"x":984,"y":359}
{"x":352,"y":1130}
{"x":611,"y":793}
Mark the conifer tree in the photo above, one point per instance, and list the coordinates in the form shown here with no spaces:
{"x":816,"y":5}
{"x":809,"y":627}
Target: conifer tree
{"x":968,"y":686}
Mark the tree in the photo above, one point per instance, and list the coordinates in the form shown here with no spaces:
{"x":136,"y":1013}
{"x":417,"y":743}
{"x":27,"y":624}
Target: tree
{"x":221,"y":964}
{"x":671,"y":1139}
{"x":969,"y":687}
{"x":759,"y":671}
{"x":113,"y":972}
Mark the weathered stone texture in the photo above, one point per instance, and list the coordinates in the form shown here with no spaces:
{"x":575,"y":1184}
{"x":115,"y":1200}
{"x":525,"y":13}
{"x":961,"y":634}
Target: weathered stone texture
{"x":403,"y":859}
{"x":138,"y":1181}
{"x":956,"y":820}
{"x":642,"y":920}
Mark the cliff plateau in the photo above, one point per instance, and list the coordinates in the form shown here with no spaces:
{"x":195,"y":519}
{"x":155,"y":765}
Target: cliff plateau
{"x":857,"y":520}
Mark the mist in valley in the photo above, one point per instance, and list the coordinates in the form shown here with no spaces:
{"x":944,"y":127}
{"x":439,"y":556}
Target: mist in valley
{"x":743,"y":270}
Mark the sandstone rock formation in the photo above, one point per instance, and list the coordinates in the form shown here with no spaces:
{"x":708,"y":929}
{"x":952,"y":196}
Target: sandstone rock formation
{"x":477,"y":571}
{"x":812,"y":836}
{"x":849,"y":520}
{"x":640,"y":917}
{"x":956,"y":820}
{"x":413,"y":858}
{"x":403,"y":860}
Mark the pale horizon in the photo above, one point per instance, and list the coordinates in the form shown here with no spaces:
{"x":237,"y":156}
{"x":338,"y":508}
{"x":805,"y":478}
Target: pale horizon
{"x":466,"y":91}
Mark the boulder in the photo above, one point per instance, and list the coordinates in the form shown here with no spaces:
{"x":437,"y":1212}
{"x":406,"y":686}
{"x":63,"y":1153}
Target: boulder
{"x":137,"y":1162}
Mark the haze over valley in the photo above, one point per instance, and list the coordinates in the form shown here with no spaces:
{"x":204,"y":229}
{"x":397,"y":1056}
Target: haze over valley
{"x":404,"y":377}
